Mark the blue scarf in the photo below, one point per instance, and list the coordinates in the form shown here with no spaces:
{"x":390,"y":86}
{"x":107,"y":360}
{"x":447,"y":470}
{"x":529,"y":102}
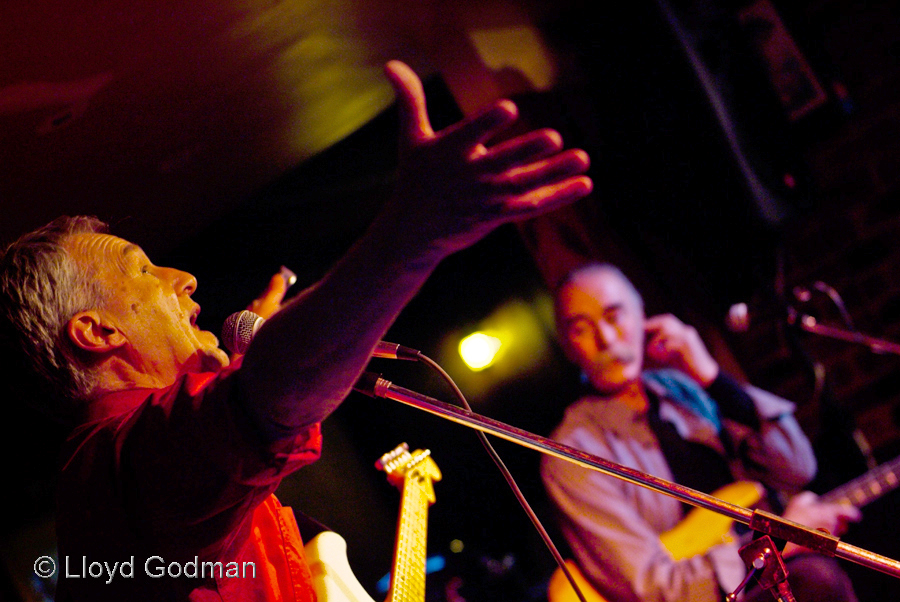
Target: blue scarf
{"x":681,"y":389}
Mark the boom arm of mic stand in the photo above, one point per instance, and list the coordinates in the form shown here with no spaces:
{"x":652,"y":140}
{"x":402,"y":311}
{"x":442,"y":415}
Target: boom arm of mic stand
{"x":374,"y":386}
{"x":811,"y":325}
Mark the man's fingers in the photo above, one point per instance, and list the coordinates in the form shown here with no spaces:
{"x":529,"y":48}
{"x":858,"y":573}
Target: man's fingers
{"x":414,"y":123}
{"x":522,"y":150}
{"x":652,"y":326}
{"x":416,"y":127}
{"x":849,"y":513}
{"x":468,"y":134}
{"x":548,"y":171}
{"x":270,"y":300}
{"x":549,"y":197}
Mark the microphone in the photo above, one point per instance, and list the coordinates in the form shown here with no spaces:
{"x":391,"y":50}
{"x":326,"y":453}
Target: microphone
{"x":741,"y":316}
{"x":738,"y":318}
{"x":240,"y":328}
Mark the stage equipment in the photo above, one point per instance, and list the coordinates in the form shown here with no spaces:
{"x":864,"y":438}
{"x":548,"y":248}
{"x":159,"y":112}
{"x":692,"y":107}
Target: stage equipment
{"x":759,"y":521}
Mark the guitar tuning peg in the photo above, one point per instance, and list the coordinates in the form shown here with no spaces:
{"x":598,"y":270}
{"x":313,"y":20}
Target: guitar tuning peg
{"x":388,"y":458}
{"x":418,"y":456}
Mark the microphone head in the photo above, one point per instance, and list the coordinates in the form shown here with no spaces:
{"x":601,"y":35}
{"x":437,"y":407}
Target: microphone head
{"x":239,"y":329}
{"x":738,"y":319}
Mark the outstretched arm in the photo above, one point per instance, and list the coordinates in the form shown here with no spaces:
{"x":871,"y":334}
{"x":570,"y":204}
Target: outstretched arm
{"x":453,"y":189}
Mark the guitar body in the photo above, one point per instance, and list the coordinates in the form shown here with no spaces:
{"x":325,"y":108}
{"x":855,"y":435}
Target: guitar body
{"x":332,"y":578}
{"x":560,"y":590}
{"x":695,"y":534}
{"x":701,"y":529}
{"x":326,"y":553}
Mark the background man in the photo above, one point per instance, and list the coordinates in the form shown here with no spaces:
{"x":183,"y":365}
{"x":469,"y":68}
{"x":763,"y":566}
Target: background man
{"x":684,"y":421}
{"x":174,"y":453}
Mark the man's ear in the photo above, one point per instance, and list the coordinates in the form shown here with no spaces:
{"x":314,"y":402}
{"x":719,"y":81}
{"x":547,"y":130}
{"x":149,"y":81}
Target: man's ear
{"x":89,"y":331}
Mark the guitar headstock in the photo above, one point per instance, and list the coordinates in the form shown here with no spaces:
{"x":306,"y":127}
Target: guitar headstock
{"x":403,"y":467}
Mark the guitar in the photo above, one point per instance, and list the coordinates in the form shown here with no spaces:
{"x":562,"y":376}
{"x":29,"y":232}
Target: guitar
{"x":332,"y":578}
{"x":701,"y":528}
{"x":326,"y":554}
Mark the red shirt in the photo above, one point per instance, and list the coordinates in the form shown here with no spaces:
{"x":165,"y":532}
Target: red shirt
{"x":168,"y":495}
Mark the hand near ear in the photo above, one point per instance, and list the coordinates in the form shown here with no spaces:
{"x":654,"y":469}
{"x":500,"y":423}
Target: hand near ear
{"x":673,"y":344}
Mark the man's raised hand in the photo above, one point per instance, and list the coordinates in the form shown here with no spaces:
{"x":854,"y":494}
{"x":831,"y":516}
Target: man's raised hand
{"x":454,"y":188}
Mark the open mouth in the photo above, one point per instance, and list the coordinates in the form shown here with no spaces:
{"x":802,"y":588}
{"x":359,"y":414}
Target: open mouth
{"x":194,"y":314}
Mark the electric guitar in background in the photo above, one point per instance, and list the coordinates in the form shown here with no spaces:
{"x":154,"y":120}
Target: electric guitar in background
{"x":701,"y":529}
{"x":326,"y":554}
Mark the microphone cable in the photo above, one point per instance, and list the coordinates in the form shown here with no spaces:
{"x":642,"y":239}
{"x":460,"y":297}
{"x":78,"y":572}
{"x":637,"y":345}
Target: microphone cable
{"x":510,"y":480}
{"x":240,"y":328}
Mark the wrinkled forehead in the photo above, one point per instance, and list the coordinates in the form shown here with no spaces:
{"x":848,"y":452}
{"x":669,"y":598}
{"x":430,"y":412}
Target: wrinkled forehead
{"x":98,"y":251}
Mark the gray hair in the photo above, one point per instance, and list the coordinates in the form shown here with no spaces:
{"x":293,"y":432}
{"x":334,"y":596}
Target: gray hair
{"x":600,"y":266}
{"x":41,"y":288}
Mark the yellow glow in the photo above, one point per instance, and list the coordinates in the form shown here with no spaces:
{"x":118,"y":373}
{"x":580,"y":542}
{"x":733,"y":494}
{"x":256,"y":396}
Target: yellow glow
{"x":523,"y":327}
{"x":517,"y":49}
{"x":323,"y":63}
{"x":478,"y":350}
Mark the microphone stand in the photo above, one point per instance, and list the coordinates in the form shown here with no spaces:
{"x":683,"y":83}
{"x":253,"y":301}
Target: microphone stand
{"x":766,"y":564}
{"x":811,"y":325}
{"x":759,"y":521}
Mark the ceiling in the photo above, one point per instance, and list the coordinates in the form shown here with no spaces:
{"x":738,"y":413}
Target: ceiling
{"x":161,"y":116}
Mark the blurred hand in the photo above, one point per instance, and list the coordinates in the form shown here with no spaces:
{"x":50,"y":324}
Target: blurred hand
{"x":270,"y":300}
{"x":806,"y":509}
{"x":673,"y":344}
{"x":453,"y":189}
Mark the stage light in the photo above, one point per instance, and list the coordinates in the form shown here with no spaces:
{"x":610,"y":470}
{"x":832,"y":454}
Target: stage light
{"x":478,"y":350}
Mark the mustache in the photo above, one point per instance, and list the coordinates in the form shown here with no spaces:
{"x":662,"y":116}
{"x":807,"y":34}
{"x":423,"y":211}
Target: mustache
{"x":619,"y":355}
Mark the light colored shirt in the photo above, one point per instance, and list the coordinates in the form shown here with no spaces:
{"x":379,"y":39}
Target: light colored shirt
{"x":614,"y":527}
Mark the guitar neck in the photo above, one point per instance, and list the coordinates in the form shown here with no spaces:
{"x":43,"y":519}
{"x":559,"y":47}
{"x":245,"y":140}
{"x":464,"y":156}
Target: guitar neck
{"x":869,"y":487}
{"x":414,"y":474}
{"x":408,"y":575}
